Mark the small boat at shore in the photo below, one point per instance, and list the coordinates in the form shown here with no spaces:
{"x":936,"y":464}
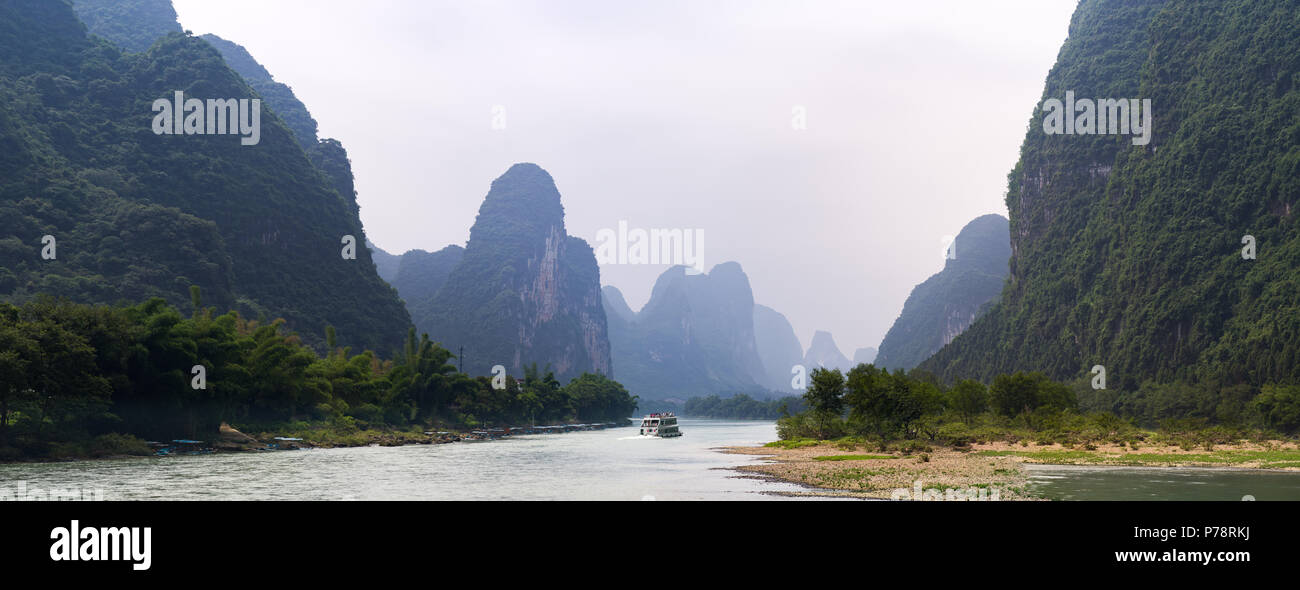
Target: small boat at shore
{"x":180,"y":447}
{"x":660,"y":424}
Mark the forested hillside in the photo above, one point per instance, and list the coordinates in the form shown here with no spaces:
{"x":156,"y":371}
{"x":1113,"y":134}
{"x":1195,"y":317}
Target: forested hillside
{"x":135,"y":215}
{"x":1131,"y":256}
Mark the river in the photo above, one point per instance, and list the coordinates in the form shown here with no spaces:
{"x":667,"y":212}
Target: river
{"x":1077,"y":482}
{"x":613,"y":464}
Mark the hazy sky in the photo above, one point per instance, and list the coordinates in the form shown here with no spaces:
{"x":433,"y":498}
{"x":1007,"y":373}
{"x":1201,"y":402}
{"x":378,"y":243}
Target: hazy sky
{"x":678,"y":114}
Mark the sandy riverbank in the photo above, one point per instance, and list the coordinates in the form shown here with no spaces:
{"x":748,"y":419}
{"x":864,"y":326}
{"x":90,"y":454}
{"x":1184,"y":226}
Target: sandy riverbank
{"x":830,"y":469}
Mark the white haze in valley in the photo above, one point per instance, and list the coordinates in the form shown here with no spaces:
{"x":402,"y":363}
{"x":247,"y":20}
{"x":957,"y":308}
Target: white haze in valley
{"x":677,"y":114}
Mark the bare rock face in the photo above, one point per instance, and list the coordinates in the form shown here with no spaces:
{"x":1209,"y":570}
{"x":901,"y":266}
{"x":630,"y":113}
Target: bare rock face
{"x":523,"y":291}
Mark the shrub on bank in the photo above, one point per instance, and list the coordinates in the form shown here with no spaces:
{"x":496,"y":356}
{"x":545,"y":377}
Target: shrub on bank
{"x":108,"y":445}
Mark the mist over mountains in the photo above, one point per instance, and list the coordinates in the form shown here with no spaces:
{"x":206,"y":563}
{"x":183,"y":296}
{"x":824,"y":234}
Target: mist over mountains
{"x":694,"y":336}
{"x":778,"y":347}
{"x":824,"y":353}
{"x":943,"y":306}
{"x":1123,"y":255}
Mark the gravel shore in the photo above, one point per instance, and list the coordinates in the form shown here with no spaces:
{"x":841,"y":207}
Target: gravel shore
{"x":831,"y":469}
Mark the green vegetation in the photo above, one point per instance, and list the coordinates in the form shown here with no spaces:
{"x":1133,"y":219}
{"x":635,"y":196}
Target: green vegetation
{"x":73,"y":376}
{"x":132,"y":24}
{"x":1266,"y":459}
{"x":1131,"y":256}
{"x":907,"y":411}
{"x":279,"y":96}
{"x":851,"y":457}
{"x":794,"y":443}
{"x":138,"y":215}
{"x":741,"y":407}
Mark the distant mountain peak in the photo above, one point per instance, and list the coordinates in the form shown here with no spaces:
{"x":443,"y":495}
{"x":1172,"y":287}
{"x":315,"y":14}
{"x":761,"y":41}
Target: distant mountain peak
{"x":823,"y":352}
{"x":522,"y":291}
{"x":695,"y":336}
{"x":946,"y":304}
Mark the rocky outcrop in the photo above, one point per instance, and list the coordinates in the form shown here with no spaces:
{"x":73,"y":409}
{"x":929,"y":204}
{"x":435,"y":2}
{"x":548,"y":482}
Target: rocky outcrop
{"x":523,"y":291}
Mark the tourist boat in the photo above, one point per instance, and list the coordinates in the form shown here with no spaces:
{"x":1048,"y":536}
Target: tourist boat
{"x":662,"y":425}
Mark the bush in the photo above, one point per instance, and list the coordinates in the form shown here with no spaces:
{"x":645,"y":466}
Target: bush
{"x":118,"y":444}
{"x":810,"y":424}
{"x":956,"y":434}
{"x":1279,"y":407}
{"x":907,"y":447}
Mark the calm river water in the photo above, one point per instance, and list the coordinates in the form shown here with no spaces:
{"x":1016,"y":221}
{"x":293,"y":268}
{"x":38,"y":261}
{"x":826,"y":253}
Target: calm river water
{"x":1073,"y":482}
{"x":613,"y":464}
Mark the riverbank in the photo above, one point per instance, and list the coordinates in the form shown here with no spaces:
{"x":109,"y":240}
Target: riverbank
{"x":328,"y":437}
{"x":297,"y":437}
{"x":849,"y":470}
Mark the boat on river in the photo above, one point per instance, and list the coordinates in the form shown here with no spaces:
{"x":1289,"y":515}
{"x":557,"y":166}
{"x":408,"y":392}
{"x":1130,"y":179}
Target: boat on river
{"x":660,"y":424}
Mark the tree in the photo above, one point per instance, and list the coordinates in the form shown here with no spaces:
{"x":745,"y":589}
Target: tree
{"x":1012,"y":395}
{"x":1022,"y":393}
{"x":597,"y":397}
{"x":870,"y":404}
{"x":16,"y":352}
{"x":1279,"y":406}
{"x":825,"y":397}
{"x":969,"y":398}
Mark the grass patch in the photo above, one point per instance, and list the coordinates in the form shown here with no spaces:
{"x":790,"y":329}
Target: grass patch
{"x":1283,"y":465}
{"x":794,"y":443}
{"x":1045,"y":456}
{"x":1225,"y":457}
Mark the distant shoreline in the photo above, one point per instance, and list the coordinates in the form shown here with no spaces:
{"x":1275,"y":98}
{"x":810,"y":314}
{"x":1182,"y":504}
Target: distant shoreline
{"x":325,"y":438}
